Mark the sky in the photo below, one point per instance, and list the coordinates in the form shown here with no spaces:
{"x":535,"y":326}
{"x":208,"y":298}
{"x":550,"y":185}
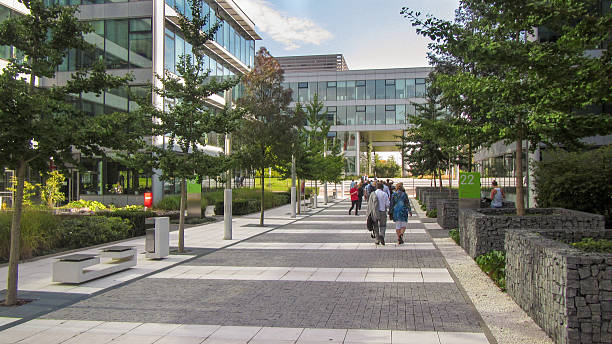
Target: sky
{"x":370,"y":34}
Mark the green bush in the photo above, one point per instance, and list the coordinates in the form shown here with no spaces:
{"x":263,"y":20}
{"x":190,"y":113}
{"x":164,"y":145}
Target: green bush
{"x":432,"y":213}
{"x":454,"y":234}
{"x":38,"y":233}
{"x":170,"y":202}
{"x":594,"y":245}
{"x":136,"y":218}
{"x":82,"y":231}
{"x":494,"y":265}
{"x":92,"y":205}
{"x":239,"y":207}
{"x":576,"y":180}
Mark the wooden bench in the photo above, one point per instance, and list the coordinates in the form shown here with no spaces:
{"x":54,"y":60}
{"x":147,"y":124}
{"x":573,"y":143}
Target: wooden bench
{"x":79,"y":268}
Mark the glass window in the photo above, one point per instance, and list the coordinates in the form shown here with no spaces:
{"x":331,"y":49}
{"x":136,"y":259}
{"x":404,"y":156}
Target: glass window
{"x":141,"y":43}
{"x":6,"y":52}
{"x":341,"y":115}
{"x":420,"y":88}
{"x":169,"y":51}
{"x":350,"y":90}
{"x":389,"y":89}
{"x":350,"y":115}
{"x":400,"y":89}
{"x":331,"y":115}
{"x":410,"y":111}
{"x":380,"y":114}
{"x":341,"y":90}
{"x":400,"y":114}
{"x":331,"y":90}
{"x":360,"y":89}
{"x":370,"y":114}
{"x":179,"y":49}
{"x":410,"y":88}
{"x":370,"y":89}
{"x":390,"y":114}
{"x":294,"y":91}
{"x":322,"y":90}
{"x":312,"y":87}
{"x":116,"y":100}
{"x":361,"y":114}
{"x":179,"y":5}
{"x":380,"y":89}
{"x":116,"y":43}
{"x":302,"y":92}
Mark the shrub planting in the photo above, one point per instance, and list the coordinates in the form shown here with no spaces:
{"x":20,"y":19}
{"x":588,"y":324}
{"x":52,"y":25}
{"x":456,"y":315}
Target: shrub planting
{"x":432,"y":213}
{"x":454,"y":234}
{"x":594,"y":245}
{"x":494,"y":265}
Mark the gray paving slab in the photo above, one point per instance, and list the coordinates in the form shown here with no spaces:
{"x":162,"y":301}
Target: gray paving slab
{"x":438,"y":233}
{"x":394,"y":306}
{"x":335,"y":237}
{"x":325,"y":258}
{"x":41,"y":302}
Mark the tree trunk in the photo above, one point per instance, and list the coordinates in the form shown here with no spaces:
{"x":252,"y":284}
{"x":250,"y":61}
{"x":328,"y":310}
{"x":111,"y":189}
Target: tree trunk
{"x":470,"y":157}
{"x":263,"y":182}
{"x":450,"y":179}
{"x":181,"y":241}
{"x":13,"y":270}
{"x":298,"y":192}
{"x":435,"y":184}
{"x":520,"y":200}
{"x":440,"y":178}
{"x":316,"y":194}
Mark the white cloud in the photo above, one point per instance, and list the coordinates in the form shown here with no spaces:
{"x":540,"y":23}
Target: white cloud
{"x":290,"y":31}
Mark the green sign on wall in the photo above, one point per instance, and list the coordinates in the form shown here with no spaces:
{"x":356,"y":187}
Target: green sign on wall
{"x":194,"y":187}
{"x":469,"y":185}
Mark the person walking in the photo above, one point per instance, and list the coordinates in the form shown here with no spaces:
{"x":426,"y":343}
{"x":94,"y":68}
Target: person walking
{"x":497,"y":196}
{"x":378,"y":203}
{"x":400,"y":206}
{"x":359,"y":195}
{"x":354,"y":195}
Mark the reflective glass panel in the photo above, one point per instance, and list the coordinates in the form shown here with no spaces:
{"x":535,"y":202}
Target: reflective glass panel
{"x":370,"y":89}
{"x":370,"y":114}
{"x":389,"y":89}
{"x":169,"y":51}
{"x":350,"y":115}
{"x":360,"y":112}
{"x":400,"y":89}
{"x":341,"y":90}
{"x":389,"y":114}
{"x":341,"y":115}
{"x":331,"y":90}
{"x":116,"y":44}
{"x":360,"y":87}
{"x":350,"y":90}
{"x":141,"y":43}
{"x":322,"y":90}
{"x":380,"y":114}
{"x":410,"y":88}
{"x":400,"y":114}
{"x":380,"y":89}
{"x":420,"y":88}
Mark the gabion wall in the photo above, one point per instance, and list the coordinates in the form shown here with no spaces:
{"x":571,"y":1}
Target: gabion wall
{"x":432,"y":198}
{"x":483,"y":230}
{"x":566,"y":291}
{"x":448,"y":212}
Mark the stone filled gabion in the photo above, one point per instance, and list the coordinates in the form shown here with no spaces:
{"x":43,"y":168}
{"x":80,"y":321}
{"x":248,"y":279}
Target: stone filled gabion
{"x":432,"y":198}
{"x":448,"y":212}
{"x":419,"y":190}
{"x":567,"y":292}
{"x":483,"y":230}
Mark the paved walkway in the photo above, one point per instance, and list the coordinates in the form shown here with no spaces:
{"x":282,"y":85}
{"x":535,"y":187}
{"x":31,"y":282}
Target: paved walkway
{"x":319,"y":279}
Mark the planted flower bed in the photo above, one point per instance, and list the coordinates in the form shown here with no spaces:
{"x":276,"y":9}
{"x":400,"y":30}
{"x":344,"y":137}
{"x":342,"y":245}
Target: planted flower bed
{"x":567,"y":291}
{"x":484,"y":230}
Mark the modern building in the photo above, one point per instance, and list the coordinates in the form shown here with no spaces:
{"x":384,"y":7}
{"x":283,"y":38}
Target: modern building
{"x":365,"y":107}
{"x":142,"y":38}
{"x":313,"y":63}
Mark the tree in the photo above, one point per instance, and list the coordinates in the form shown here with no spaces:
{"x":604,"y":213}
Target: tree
{"x":50,"y":192}
{"x":188,"y":116}
{"x":386,"y":168}
{"x":518,"y":88}
{"x":42,"y":123}
{"x":268,"y":133}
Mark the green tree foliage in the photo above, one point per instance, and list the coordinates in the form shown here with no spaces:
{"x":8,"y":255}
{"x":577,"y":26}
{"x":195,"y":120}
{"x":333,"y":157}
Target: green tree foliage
{"x":40,"y":123}
{"x":576,"y":180}
{"x":516,"y":88}
{"x":268,"y":133}
{"x":386,"y":168}
{"x":187,"y":117}
{"x":50,"y":192}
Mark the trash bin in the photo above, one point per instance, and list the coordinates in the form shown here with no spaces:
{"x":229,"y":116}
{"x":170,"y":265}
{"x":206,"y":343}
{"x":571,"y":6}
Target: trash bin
{"x":157,"y":239}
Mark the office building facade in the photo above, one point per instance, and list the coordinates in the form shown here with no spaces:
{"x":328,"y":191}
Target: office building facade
{"x":142,"y":38}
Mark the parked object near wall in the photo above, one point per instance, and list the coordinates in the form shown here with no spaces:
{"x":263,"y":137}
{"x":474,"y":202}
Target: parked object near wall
{"x":484,"y":230}
{"x":566,"y":291}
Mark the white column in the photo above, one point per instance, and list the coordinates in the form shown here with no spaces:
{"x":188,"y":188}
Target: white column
{"x":227,"y":197}
{"x":293,"y":191}
{"x":357,"y":152}
{"x":157,"y":68}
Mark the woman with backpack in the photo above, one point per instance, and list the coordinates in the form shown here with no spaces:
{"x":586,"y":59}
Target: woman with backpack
{"x":399,"y":211}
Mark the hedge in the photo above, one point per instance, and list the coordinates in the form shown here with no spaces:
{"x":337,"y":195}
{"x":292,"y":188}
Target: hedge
{"x":576,"y":180}
{"x":136,"y":218}
{"x":248,"y":206}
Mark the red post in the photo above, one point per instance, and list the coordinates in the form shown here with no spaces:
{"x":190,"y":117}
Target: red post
{"x":148,"y":199}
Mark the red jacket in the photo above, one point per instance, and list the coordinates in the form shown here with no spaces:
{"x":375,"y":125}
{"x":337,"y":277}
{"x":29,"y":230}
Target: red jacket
{"x":354,"y":194}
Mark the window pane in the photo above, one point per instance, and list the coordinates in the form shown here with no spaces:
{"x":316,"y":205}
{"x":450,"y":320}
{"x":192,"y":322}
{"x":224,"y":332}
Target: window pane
{"x":179,"y":49}
{"x":141,"y":43}
{"x":169,"y":51}
{"x":331,"y":115}
{"x":370,"y":89}
{"x":380,"y":114}
{"x":116,"y":44}
{"x":400,"y":89}
{"x":361,"y":114}
{"x":350,"y":115}
{"x":294,"y":91}
{"x":341,"y":115}
{"x":331,"y":90}
{"x":380,"y":89}
{"x":322,"y":90}
{"x":420,"y":88}
{"x":360,"y":90}
{"x":390,"y":114}
{"x":410,"y":88}
{"x":370,"y":114}
{"x":313,"y":89}
{"x":350,"y":90}
{"x":389,"y":89}
{"x":400,"y":114}
{"x":341,"y":90}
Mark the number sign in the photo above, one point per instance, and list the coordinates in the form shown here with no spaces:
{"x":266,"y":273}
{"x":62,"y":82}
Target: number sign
{"x":194,"y":187}
{"x":469,"y":185}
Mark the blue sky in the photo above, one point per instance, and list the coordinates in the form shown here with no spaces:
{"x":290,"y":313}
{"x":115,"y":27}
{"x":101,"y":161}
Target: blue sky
{"x":370,"y":33}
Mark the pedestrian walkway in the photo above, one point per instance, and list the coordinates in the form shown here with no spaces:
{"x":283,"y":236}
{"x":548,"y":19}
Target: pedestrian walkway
{"x":319,"y":279}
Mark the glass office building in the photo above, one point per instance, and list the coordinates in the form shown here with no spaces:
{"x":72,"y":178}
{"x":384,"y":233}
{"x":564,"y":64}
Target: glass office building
{"x":365,"y":107}
{"x":142,"y":38}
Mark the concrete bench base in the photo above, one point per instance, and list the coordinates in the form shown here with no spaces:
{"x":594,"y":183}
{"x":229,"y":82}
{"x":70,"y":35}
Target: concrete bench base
{"x":83,"y":269}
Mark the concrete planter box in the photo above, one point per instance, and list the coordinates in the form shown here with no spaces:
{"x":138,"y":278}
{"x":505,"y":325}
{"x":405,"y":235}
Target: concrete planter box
{"x":448,"y":212}
{"x":484,"y":230}
{"x":564,"y":290}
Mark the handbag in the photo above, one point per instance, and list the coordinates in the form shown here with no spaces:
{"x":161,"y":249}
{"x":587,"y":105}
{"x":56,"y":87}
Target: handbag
{"x":370,"y":223}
